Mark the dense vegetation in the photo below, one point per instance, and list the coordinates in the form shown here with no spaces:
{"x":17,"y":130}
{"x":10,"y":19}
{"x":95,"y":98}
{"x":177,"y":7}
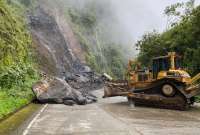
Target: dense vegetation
{"x":182,"y":36}
{"x":17,"y":72}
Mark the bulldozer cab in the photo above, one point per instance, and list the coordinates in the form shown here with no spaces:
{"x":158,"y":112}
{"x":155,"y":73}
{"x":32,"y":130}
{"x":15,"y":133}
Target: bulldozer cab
{"x":160,"y":64}
{"x":166,"y":63}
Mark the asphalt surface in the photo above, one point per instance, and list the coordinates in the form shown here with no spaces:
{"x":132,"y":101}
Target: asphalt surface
{"x":112,"y":116}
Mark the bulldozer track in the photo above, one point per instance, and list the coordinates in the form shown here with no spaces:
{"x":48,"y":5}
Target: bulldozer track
{"x":176,"y":103}
{"x":153,"y":97}
{"x":150,"y":96}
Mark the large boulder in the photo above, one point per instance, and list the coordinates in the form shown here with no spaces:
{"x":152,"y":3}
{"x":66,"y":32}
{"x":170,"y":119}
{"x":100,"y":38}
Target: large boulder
{"x":57,"y":90}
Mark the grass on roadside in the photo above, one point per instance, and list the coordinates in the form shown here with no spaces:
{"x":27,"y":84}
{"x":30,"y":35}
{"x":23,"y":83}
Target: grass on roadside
{"x":13,"y":99}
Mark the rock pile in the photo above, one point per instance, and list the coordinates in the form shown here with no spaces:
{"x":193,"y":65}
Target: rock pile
{"x":71,"y":89}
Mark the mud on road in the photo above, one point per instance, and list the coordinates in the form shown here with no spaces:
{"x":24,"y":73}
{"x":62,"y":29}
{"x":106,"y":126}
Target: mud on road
{"x":112,"y":116}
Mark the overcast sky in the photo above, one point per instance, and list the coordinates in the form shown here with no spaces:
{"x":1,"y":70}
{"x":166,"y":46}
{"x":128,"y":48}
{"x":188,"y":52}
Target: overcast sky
{"x":140,"y":16}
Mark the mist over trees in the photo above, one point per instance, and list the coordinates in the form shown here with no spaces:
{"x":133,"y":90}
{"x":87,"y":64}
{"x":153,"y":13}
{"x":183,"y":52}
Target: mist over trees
{"x":101,"y":36}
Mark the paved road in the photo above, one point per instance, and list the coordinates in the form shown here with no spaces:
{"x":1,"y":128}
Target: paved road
{"x":112,"y":116}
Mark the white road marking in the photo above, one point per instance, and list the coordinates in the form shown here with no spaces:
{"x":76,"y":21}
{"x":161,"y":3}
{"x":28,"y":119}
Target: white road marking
{"x":34,"y":119}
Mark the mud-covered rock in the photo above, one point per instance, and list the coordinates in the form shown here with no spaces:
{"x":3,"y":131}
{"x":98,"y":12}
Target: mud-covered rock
{"x":59,"y":91}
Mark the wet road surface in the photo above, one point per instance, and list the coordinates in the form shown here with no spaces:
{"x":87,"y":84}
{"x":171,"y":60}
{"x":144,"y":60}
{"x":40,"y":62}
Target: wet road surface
{"x":112,"y":116}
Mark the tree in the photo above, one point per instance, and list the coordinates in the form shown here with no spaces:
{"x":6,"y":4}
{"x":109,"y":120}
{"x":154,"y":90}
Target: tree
{"x":178,"y":11}
{"x":182,"y":38}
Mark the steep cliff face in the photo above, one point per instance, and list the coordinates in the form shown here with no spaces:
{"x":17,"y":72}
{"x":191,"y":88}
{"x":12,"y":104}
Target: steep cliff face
{"x":57,"y":48}
{"x":60,"y":55}
{"x":53,"y":52}
{"x":68,"y":35}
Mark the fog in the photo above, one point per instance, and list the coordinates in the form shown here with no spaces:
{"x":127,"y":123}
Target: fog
{"x":133,"y":17}
{"x":125,"y":22}
{"x":140,"y":16}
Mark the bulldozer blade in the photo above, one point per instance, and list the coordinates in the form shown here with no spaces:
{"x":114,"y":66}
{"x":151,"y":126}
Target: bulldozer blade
{"x":193,"y":90}
{"x":116,"y":88}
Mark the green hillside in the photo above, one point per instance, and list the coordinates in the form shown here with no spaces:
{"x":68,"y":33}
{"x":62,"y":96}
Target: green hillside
{"x":17,"y":72}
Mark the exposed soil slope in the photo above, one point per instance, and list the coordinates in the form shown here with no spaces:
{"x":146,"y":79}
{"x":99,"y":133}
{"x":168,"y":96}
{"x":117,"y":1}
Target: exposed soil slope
{"x":60,"y":55}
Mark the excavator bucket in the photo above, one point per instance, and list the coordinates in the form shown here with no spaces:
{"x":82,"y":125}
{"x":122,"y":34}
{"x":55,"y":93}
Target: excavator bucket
{"x":116,"y":88}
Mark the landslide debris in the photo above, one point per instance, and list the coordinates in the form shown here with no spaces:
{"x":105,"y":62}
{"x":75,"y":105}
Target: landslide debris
{"x":71,"y":89}
{"x":66,"y":80}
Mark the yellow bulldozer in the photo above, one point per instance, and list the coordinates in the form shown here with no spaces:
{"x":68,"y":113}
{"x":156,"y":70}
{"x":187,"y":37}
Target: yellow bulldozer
{"x":166,"y":85}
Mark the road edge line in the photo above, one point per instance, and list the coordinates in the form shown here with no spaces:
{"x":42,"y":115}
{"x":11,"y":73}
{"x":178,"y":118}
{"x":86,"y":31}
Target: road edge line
{"x":25,"y":132}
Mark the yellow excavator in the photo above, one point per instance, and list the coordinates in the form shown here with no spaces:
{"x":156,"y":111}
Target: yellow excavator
{"x":166,"y":85}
